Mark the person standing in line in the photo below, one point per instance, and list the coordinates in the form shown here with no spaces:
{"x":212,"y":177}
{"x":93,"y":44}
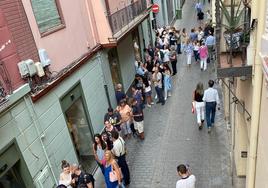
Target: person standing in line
{"x":138,"y":119}
{"x":83,"y":178}
{"x":211,"y":98}
{"x":167,"y":82}
{"x":184,"y":38}
{"x":114,"y":118}
{"x":203,"y":53}
{"x":126,"y":113}
{"x":99,"y":148}
{"x":173,"y":60}
{"x":157,"y":80}
{"x":187,"y":179}
{"x":200,"y":35}
{"x":119,"y":94}
{"x":188,"y":50}
{"x":148,"y":91}
{"x":165,"y":52}
{"x":199,"y":104}
{"x":119,"y":151}
{"x":193,"y":36}
{"x":66,"y":175}
{"x":178,"y":37}
{"x":137,"y":94}
{"x":210,"y":43}
{"x":111,"y":167}
{"x":196,"y":51}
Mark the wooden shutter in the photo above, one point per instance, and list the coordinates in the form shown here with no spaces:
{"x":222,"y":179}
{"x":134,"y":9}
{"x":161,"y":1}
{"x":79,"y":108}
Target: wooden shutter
{"x":46,"y":14}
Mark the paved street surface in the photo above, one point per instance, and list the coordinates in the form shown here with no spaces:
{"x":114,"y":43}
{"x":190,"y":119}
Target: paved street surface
{"x":172,"y":136}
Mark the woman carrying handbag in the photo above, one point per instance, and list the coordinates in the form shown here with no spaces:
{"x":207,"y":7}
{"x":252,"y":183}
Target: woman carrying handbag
{"x":112,"y":173}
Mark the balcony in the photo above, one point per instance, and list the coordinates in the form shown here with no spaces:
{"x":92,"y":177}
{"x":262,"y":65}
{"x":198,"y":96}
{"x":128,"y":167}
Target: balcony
{"x":127,"y":17}
{"x":234,"y":55}
{"x":234,"y":65}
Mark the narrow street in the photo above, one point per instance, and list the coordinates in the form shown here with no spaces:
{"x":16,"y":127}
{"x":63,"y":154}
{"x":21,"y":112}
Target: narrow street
{"x":172,"y":135}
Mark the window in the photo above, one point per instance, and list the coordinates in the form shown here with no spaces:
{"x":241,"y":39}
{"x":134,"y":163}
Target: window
{"x":48,"y":16}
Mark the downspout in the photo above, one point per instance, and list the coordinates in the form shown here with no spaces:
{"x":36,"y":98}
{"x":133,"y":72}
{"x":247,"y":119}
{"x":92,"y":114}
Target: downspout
{"x":30,"y":109}
{"x":259,"y":11}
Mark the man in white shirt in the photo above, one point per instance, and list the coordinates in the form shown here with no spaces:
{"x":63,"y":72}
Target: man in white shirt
{"x":119,"y":152}
{"x":211,"y":98}
{"x":187,"y":180}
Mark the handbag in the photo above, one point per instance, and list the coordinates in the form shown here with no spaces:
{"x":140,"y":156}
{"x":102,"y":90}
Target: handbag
{"x":113,"y":176}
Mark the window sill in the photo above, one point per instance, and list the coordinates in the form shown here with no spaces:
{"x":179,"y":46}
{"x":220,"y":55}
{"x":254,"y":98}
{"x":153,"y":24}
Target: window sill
{"x":53,"y":30}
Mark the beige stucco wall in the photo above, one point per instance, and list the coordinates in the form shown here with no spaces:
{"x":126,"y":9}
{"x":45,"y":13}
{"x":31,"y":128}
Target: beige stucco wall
{"x":262,"y":154}
{"x":61,"y":48}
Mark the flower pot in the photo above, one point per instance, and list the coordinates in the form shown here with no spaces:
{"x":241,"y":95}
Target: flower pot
{"x":233,"y":43}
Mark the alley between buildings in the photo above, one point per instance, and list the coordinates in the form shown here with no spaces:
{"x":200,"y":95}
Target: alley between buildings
{"x":172,"y":135}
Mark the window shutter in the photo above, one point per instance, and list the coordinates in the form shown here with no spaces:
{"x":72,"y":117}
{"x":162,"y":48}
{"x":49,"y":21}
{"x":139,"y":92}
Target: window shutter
{"x":46,"y":14}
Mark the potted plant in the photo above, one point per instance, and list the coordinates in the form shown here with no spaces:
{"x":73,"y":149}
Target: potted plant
{"x":233,"y":27}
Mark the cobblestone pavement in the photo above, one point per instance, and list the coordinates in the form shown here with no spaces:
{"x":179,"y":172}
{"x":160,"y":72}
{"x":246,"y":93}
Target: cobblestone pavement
{"x":172,"y":136}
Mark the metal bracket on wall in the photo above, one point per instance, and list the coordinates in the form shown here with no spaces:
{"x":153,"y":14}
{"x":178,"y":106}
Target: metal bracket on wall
{"x":237,"y":101}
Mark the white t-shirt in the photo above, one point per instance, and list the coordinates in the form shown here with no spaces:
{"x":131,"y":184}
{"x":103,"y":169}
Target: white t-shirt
{"x":186,"y":183}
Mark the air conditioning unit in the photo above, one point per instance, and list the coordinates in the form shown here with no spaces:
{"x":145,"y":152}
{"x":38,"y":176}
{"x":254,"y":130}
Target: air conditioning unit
{"x":44,"y":57}
{"x":31,"y":67}
{"x":23,"y":69}
{"x":39,"y":69}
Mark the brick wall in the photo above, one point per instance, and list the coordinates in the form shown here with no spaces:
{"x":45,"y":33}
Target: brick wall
{"x":20,"y":29}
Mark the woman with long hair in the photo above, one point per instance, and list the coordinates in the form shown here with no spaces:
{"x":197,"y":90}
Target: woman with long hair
{"x":112,"y":174}
{"x":199,"y":104}
{"x":66,"y":175}
{"x":99,"y":148}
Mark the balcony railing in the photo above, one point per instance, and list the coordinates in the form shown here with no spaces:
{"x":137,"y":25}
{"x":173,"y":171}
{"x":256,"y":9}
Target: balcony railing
{"x":124,"y":16}
{"x":233,"y":62}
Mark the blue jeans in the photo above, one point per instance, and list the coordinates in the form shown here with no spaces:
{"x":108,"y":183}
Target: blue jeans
{"x":159,"y":92}
{"x":210,"y":113}
{"x":179,"y":48}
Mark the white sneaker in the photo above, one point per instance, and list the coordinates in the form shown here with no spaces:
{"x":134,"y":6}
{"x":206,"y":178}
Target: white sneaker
{"x":149,"y":106}
{"x":155,"y":97}
{"x":169,"y":95}
{"x":152,"y":103}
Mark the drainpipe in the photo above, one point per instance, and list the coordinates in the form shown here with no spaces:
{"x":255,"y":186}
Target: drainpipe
{"x":30,"y":109}
{"x":259,"y":12}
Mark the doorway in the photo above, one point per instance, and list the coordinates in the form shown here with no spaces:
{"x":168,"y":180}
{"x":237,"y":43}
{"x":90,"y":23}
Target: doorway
{"x":79,"y":127}
{"x":14,"y":172}
{"x":114,"y":66}
{"x":12,"y":178}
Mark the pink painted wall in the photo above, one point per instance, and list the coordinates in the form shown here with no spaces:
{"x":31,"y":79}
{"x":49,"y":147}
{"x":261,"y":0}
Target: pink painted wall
{"x":68,"y":44}
{"x":99,"y":14}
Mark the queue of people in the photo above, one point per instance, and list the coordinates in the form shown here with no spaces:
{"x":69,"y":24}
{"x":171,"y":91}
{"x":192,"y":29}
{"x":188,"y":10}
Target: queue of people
{"x":155,"y":72}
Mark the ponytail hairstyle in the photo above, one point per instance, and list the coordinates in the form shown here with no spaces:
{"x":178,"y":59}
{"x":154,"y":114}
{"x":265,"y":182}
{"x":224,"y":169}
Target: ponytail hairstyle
{"x":64,"y":164}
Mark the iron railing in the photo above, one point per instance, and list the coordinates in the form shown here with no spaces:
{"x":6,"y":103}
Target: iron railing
{"x":124,"y":16}
{"x":5,"y":83}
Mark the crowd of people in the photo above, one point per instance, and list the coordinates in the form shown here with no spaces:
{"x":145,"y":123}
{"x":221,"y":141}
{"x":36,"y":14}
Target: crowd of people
{"x":155,"y":71}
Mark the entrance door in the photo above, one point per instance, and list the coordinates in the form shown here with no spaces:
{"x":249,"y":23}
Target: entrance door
{"x":12,"y":178}
{"x":114,"y":66}
{"x":79,"y":127}
{"x":13,"y":170}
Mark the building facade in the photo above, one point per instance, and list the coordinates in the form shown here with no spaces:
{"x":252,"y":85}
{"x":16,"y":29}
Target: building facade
{"x":245,"y":96}
{"x":52,"y":114}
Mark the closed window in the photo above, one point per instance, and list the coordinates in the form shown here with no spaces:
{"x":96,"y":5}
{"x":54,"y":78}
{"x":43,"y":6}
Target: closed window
{"x":48,"y":15}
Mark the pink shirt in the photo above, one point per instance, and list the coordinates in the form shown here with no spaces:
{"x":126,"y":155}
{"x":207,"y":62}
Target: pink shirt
{"x":203,"y":52}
